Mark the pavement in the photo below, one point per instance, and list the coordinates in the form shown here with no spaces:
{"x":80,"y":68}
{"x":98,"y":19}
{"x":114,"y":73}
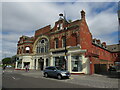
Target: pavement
{"x":95,"y":80}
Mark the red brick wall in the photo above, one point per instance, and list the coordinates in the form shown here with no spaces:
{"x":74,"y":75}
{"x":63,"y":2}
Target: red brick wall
{"x":85,"y":36}
{"x":42,"y":31}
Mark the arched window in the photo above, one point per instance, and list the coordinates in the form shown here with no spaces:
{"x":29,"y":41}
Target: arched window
{"x":27,"y":49}
{"x":42,"y":46}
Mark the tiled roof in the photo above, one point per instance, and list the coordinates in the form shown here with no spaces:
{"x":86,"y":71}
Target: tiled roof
{"x":114,"y":47}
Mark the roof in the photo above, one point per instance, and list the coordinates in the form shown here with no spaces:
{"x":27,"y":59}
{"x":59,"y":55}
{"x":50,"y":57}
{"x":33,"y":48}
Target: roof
{"x":114,"y":47}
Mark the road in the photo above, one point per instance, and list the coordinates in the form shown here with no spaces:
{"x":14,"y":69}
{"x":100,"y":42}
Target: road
{"x":13,"y":80}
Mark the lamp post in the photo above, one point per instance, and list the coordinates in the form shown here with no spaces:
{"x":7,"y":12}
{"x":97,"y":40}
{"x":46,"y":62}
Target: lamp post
{"x":64,"y":18}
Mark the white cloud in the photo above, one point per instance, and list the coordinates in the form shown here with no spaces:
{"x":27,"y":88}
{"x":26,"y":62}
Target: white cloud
{"x":103,"y":23}
{"x":60,"y":0}
{"x":0,"y":30}
{"x":8,"y":48}
{"x":24,"y":18}
{"x":28,"y":16}
{"x":10,"y":37}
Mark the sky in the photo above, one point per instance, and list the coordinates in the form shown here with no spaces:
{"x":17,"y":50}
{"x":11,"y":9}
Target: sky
{"x":24,"y":18}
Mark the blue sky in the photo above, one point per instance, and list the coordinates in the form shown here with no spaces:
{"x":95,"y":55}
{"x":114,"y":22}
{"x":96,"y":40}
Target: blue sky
{"x":23,"y":18}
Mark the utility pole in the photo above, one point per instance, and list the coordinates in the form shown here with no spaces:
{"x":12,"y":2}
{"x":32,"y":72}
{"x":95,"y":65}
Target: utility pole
{"x":64,"y":18}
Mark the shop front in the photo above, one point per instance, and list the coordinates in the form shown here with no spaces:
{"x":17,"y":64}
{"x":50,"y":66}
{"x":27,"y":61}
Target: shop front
{"x":60,"y":61}
{"x":75,"y":63}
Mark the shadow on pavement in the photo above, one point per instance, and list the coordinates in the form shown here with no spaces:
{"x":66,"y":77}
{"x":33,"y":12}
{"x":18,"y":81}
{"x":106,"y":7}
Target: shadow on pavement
{"x":111,"y":74}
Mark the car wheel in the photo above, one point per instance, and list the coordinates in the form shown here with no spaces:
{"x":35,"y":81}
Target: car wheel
{"x":68,"y":77}
{"x":46,"y":75}
{"x":59,"y":76}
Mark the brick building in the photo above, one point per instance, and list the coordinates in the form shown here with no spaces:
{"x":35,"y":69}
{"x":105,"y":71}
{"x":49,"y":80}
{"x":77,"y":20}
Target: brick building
{"x":67,"y":44}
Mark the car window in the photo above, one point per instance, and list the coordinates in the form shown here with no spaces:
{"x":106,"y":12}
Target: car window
{"x":50,"y":68}
{"x":59,"y":68}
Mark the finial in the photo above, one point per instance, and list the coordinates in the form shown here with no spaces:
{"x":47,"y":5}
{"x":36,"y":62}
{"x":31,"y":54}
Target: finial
{"x":82,"y":14}
{"x":61,"y":16}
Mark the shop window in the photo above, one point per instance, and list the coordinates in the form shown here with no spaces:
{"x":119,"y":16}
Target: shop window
{"x":76,"y":63}
{"x":46,"y":62}
{"x":60,"y":62}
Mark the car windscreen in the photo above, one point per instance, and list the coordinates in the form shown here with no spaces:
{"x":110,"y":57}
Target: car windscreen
{"x":60,"y":68}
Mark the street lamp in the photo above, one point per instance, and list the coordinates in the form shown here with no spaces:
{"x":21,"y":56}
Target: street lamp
{"x":64,"y":18}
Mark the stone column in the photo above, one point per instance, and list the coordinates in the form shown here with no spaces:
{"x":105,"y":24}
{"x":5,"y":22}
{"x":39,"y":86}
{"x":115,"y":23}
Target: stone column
{"x":22,"y":65}
{"x":30,"y":66}
{"x":37,"y":64}
{"x":33,"y":64}
{"x":44,"y":63}
{"x":51,"y":61}
{"x":69,"y":63}
{"x":85,"y":64}
{"x":16,"y":65}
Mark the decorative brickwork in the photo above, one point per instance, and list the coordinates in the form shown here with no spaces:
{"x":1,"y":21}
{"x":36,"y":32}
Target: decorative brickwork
{"x":77,"y":34}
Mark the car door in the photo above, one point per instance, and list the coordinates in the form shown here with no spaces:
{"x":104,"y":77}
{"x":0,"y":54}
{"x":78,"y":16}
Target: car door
{"x":50,"y":71}
{"x":54,"y":72}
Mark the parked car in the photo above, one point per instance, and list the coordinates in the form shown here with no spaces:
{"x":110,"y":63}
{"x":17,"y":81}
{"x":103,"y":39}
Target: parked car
{"x":9,"y":66}
{"x":112,"y":68}
{"x":56,"y":72}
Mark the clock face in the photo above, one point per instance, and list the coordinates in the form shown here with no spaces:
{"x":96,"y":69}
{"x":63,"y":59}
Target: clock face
{"x":27,"y":48}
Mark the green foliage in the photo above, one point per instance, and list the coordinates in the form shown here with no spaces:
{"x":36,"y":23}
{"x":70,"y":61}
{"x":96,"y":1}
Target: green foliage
{"x":70,"y":21}
{"x":6,"y":60}
{"x":13,"y":59}
{"x":9,"y":60}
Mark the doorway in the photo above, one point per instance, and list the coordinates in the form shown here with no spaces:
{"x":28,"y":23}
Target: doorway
{"x":100,"y":68}
{"x":41,"y":63}
{"x":26,"y":63}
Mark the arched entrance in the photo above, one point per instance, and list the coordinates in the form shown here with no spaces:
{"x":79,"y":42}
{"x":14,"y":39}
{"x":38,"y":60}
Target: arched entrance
{"x":41,"y":63}
{"x":41,"y":48}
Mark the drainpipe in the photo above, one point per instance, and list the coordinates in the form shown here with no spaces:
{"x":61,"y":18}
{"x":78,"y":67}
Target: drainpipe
{"x":91,"y":69}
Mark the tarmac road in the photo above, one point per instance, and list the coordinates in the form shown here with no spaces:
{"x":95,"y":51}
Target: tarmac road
{"x":12,"y":80}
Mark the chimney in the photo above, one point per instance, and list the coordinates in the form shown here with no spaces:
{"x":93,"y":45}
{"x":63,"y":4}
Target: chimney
{"x":82,"y":14}
{"x":98,"y":41}
{"x":104,"y":44}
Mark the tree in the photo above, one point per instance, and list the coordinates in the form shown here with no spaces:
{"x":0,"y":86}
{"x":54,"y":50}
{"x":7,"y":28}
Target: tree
{"x":6,"y":60}
{"x":69,"y":20}
{"x":13,"y":59}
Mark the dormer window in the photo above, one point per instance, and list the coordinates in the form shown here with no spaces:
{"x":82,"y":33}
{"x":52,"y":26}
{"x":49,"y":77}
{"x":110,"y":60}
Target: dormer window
{"x":60,"y":26}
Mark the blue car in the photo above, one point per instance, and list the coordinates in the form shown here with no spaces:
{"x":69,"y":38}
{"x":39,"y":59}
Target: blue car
{"x":55,"y":72}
